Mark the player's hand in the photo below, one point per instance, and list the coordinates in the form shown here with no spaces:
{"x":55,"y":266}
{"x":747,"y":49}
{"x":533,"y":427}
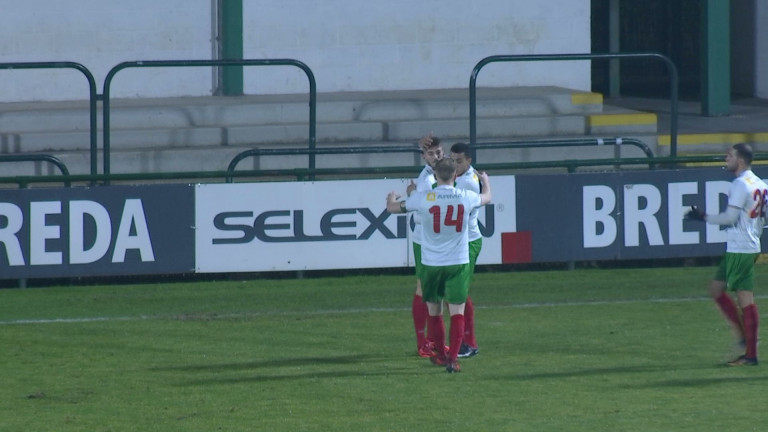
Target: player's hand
{"x":483,"y":177}
{"x":425,"y":141}
{"x":410,"y":188}
{"x":392,"y":196}
{"x":695,"y":214}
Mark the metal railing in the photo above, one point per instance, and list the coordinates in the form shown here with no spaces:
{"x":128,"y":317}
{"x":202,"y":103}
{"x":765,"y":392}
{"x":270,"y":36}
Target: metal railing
{"x":313,"y":152}
{"x":38,"y":158}
{"x":310,"y":171}
{"x":581,"y":142}
{"x":93,"y":96}
{"x":673,"y":89}
{"x":210,"y":63}
{"x":576,"y":142}
{"x":301,"y":174}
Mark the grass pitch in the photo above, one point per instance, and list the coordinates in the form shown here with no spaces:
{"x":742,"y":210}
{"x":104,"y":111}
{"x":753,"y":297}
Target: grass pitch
{"x":583,"y":350}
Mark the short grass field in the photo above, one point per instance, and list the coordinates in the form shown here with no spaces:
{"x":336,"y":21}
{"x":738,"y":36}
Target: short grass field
{"x":581,"y":350}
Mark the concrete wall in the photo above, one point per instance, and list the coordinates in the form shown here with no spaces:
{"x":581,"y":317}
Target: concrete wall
{"x":351,"y":45}
{"x":402,"y":44}
{"x":100,"y":34}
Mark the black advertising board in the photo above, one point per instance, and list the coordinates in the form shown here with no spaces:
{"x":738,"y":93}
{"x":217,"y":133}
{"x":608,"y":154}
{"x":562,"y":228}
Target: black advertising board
{"x":96,"y":231}
{"x":621,"y":216}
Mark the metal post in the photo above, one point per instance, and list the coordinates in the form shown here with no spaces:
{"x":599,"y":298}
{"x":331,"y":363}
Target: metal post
{"x":231,"y":46}
{"x":614,"y":44}
{"x":715,"y":58}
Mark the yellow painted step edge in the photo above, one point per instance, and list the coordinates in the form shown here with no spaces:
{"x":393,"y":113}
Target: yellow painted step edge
{"x":622,"y":119}
{"x":725,"y":138}
{"x":587,"y":99}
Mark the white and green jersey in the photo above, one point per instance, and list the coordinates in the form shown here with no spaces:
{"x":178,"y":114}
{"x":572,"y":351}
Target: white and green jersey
{"x":444,"y":215}
{"x":425,"y":182}
{"x":469,"y":181}
{"x":748,"y":193}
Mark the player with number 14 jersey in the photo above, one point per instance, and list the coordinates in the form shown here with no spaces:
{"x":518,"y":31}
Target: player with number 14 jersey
{"x":444,"y":213}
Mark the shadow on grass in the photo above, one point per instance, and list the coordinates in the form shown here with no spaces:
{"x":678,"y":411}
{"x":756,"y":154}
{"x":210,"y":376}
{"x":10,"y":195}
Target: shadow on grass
{"x":701,"y":382}
{"x":680,"y":382}
{"x":286,"y":362}
{"x":303,"y":368}
{"x":304,"y":376}
{"x":587,"y":372}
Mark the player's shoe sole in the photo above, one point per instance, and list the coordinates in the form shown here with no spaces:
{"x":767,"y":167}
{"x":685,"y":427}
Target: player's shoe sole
{"x":466,"y":351}
{"x":743,"y":361}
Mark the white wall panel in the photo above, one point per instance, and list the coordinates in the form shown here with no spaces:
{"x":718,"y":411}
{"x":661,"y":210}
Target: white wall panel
{"x":100,"y":34}
{"x":351,"y":45}
{"x":401,"y":44}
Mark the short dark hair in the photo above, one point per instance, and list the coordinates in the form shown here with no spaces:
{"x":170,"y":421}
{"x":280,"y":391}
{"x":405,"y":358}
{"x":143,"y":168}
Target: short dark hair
{"x":435,"y":142}
{"x":461,"y":148}
{"x":744,"y":151}
{"x":445,"y":169}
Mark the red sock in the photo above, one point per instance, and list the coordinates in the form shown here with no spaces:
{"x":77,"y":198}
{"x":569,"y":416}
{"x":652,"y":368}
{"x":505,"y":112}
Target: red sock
{"x":728,"y":308}
{"x":457,"y":334}
{"x":437,"y":330}
{"x":751,"y":321}
{"x":420,"y":314}
{"x":431,"y":337}
{"x":469,"y":324}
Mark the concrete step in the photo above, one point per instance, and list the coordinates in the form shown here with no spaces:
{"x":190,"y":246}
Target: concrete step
{"x":276,"y":134}
{"x":204,"y":134}
{"x":278,"y":109}
{"x":334,"y":132}
{"x":218,"y":158}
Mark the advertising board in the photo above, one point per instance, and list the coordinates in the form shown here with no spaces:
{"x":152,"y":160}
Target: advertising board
{"x":320,"y":225}
{"x":110,"y":230}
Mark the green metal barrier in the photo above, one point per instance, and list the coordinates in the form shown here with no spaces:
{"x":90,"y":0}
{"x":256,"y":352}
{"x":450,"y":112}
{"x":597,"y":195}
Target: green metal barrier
{"x":302,"y":174}
{"x":583,"y":142}
{"x":673,"y":85}
{"x":38,"y":158}
{"x":580,"y":142}
{"x":209,"y":63}
{"x":92,"y":95}
{"x":318,"y":151}
{"x":577,"y":142}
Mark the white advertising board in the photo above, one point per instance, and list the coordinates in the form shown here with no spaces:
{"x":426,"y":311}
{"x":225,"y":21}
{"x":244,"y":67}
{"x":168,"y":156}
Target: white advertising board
{"x":325,"y":225}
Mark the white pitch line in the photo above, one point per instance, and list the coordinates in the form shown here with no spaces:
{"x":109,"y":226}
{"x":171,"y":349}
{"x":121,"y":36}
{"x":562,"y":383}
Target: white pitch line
{"x":202,"y":316}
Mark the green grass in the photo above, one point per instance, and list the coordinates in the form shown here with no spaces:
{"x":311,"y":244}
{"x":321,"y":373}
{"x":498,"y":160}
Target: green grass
{"x":585,"y":350}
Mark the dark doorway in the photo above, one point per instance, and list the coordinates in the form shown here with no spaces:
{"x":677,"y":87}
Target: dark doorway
{"x":668,"y":27}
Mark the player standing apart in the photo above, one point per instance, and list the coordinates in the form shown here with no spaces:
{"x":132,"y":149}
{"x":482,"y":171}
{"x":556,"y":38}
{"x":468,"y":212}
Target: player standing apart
{"x":466,"y":178}
{"x":745,"y":218}
{"x":444,"y":214}
{"x":431,"y":152}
